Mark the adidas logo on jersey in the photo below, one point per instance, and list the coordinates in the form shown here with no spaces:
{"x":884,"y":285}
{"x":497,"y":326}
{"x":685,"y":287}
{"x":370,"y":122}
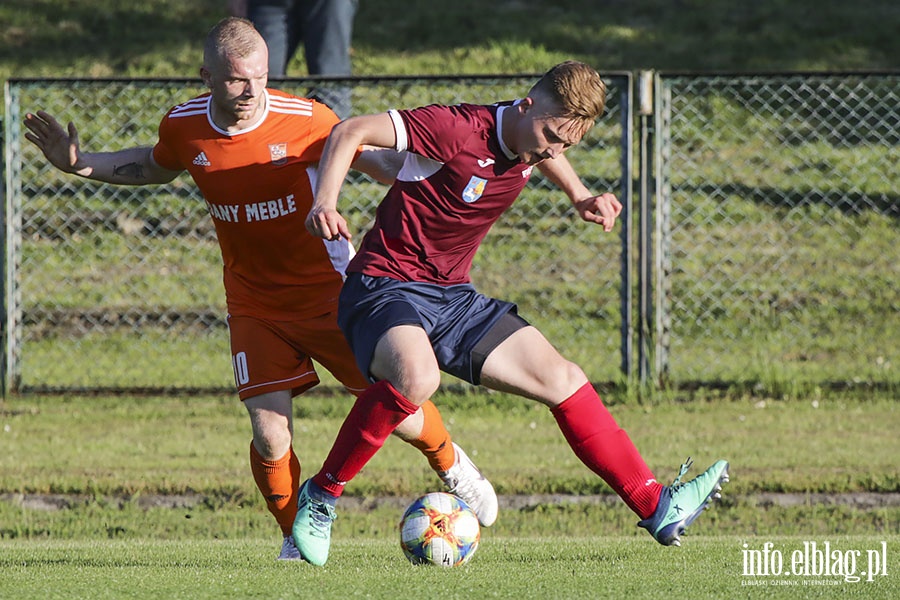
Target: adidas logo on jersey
{"x":201,"y":161}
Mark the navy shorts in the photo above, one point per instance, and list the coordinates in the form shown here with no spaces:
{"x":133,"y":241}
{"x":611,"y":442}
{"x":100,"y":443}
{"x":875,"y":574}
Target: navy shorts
{"x":463,"y":325}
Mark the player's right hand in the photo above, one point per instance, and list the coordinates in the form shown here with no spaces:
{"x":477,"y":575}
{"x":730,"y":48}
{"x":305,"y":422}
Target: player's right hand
{"x":60,"y":146}
{"x":327,"y":223}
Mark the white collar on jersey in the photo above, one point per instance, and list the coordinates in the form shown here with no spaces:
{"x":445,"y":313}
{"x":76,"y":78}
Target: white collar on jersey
{"x":239,"y":132}
{"x":509,"y":153}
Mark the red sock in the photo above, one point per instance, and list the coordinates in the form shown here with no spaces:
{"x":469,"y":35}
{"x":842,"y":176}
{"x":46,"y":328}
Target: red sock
{"x":607,"y":450}
{"x":377,"y":412}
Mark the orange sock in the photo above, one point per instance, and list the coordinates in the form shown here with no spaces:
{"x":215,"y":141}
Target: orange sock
{"x":434,"y":441}
{"x":279,"y":482}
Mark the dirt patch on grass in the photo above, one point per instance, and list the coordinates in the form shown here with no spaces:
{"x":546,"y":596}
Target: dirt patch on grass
{"x":857,"y":500}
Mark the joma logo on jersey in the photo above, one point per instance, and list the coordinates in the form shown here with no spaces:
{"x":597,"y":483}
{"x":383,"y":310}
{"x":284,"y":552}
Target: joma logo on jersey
{"x":278,"y":153}
{"x":474,"y":189}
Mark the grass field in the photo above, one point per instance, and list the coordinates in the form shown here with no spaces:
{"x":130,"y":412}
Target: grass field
{"x":173,"y":445}
{"x":549,"y":568}
{"x":151,"y":497}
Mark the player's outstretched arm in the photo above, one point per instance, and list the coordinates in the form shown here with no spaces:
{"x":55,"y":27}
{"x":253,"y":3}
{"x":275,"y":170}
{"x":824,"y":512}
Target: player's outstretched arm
{"x":602,"y":209}
{"x":132,"y":166}
{"x":338,"y":156}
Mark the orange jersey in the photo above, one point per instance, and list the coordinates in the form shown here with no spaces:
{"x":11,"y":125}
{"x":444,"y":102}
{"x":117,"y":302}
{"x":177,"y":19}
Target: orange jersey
{"x":258,"y":188}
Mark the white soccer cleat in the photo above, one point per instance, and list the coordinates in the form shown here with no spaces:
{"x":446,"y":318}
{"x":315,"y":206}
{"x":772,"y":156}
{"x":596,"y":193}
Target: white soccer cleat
{"x":465,"y":481}
{"x":289,"y":550}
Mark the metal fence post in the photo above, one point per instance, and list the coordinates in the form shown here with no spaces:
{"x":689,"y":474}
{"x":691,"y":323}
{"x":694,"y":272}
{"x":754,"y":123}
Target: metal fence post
{"x":628,"y":258}
{"x":659,"y":255}
{"x":645,"y":114}
{"x":9,"y":370}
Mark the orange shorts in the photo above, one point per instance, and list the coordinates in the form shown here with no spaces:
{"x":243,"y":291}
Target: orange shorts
{"x":269,"y":356}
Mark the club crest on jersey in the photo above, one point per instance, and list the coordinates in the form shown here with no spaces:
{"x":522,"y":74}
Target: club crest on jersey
{"x":278,"y":152}
{"x":474,"y":189}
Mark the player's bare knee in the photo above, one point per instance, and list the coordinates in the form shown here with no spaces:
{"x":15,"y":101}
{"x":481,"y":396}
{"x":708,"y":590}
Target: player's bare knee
{"x":272,"y":443}
{"x":419,"y":386}
{"x":565,"y":380}
{"x":416,"y":379}
{"x":271,"y":433}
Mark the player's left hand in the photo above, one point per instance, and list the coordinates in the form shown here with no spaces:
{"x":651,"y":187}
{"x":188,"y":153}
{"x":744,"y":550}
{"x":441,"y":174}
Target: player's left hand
{"x":602,"y":210}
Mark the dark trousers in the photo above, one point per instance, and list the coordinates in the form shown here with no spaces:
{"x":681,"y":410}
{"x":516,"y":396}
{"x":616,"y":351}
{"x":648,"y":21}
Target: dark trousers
{"x":325,"y":27}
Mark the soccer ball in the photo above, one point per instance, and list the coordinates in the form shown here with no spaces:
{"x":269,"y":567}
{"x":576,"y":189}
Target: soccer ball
{"x":439,"y":529}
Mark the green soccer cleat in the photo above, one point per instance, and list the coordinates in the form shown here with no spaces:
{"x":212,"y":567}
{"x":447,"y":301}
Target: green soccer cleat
{"x":681,"y":503}
{"x":312,"y":527}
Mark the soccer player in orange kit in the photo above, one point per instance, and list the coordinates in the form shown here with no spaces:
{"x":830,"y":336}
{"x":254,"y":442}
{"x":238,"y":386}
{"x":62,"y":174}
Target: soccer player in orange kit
{"x":252,"y":152}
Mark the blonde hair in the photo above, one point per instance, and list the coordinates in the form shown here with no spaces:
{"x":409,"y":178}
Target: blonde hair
{"x":576,"y":90}
{"x":232,"y":37}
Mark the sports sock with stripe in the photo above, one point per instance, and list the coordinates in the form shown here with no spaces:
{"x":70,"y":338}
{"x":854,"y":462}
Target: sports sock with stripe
{"x":279,"y":481}
{"x":606,"y":449}
{"x":434,"y":441}
{"x":374,"y":416}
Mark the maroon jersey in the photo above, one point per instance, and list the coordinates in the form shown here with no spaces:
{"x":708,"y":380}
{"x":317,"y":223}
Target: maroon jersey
{"x":457,"y":180}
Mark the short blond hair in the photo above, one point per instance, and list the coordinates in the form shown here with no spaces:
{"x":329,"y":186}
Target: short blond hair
{"x":232,"y":37}
{"x":576,"y":89}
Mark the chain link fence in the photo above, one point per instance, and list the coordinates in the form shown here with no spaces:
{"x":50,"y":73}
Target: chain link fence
{"x":770,"y":257}
{"x":115,"y":288}
{"x":778,"y":228}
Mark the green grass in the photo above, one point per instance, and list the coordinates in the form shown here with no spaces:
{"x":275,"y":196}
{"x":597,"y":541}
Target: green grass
{"x":507,"y":567}
{"x":102,"y":446}
{"x":104,"y":38}
{"x":176,"y":468}
{"x":239,"y":517}
{"x":172,"y":273}
{"x":113,"y":359}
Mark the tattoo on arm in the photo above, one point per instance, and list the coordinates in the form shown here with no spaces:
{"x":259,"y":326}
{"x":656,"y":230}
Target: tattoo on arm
{"x":132,"y":170}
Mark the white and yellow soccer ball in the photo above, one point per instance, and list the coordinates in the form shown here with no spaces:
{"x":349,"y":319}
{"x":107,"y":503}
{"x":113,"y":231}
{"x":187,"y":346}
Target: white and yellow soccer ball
{"x":439,"y":529}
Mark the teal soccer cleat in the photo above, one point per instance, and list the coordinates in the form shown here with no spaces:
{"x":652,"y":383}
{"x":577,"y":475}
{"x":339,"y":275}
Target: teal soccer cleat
{"x":312,"y":527}
{"x":681,"y":503}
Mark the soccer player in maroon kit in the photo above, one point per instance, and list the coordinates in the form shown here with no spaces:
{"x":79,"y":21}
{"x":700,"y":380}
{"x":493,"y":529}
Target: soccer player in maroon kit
{"x":409,"y":310}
